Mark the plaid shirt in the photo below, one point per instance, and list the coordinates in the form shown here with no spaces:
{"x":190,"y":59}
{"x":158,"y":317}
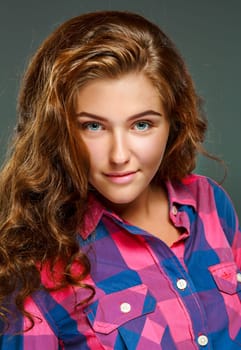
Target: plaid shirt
{"x":148,"y":295}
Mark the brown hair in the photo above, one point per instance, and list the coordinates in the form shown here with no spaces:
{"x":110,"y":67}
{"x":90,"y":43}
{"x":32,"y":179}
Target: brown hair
{"x":44,"y":184}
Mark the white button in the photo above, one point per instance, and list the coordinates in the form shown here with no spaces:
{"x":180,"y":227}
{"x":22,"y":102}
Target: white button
{"x":174,"y":210}
{"x":125,"y":308}
{"x":181,"y":284}
{"x":202,"y":340}
{"x":239,"y":277}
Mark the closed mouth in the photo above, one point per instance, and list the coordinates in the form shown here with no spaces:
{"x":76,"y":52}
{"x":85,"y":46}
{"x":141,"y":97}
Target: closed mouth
{"x":116,"y":174}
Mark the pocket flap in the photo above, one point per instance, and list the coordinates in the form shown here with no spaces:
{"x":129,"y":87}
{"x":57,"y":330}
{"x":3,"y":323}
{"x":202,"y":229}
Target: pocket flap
{"x":226,"y":277}
{"x":113,"y":310}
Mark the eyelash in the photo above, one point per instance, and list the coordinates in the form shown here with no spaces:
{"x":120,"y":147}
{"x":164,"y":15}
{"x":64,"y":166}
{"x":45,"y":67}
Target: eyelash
{"x":87,"y":125}
{"x":145,"y":122}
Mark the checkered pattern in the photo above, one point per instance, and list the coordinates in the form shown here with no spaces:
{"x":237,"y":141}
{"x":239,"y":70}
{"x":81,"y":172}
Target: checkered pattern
{"x":149,"y":296}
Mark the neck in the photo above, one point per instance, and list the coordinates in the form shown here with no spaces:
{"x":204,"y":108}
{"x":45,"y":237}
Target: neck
{"x":145,"y":209}
{"x":142,"y":208}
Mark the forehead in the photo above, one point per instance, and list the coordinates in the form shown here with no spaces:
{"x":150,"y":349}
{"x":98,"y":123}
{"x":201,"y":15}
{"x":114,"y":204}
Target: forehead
{"x":126,"y":95}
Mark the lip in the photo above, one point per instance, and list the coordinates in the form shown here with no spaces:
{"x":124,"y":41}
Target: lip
{"x":121,"y":177}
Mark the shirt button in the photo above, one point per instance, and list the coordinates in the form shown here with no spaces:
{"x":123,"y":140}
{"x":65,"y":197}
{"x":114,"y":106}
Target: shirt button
{"x":181,"y":284}
{"x":174,"y":210}
{"x":125,"y":308}
{"x":239,"y":277}
{"x":202,"y":340}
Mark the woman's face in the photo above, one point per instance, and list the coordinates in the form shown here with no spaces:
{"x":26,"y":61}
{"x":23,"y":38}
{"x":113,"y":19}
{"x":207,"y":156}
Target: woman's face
{"x":125,"y":128}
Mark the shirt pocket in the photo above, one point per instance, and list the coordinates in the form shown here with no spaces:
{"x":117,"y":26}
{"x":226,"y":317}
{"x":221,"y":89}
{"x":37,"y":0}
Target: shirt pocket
{"x":227,"y":277}
{"x":111,"y":312}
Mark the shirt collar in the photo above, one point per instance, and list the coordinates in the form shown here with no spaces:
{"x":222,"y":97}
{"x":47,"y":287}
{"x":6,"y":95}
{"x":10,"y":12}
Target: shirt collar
{"x":181,"y":193}
{"x":92,"y":216}
{"x":94,"y":212}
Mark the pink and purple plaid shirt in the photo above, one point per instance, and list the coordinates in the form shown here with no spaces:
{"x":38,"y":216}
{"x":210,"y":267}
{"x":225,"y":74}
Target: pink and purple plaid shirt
{"x":149,"y":296}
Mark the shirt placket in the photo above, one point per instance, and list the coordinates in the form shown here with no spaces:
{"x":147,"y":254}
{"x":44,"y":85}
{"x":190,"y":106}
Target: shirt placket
{"x":174,"y":268}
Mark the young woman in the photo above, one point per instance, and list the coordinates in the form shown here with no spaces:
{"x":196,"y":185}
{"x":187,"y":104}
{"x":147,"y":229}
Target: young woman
{"x":108,"y":241}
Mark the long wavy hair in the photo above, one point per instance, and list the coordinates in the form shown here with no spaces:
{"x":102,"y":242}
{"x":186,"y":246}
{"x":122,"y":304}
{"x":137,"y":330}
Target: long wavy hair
{"x":44,"y":182}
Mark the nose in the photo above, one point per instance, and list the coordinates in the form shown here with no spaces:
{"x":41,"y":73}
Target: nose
{"x":119,"y":150}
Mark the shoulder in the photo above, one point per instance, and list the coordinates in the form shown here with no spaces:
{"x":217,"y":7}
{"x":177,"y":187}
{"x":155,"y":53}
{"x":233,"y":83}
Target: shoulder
{"x":195,"y":190}
{"x":212,"y":199}
{"x":198,"y":181}
{"x":203,"y":193}
{"x":208,"y":187}
{"x":203,"y":187}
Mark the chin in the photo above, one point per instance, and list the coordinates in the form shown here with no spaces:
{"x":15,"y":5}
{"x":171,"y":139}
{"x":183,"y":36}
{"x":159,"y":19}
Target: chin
{"x":116,"y":200}
{"x":120,"y":201}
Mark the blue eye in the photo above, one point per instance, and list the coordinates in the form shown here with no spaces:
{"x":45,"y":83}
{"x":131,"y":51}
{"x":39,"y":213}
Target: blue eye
{"x":142,"y":126}
{"x":92,"y":126}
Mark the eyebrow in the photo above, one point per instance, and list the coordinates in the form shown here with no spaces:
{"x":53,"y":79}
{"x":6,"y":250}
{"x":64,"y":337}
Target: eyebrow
{"x":138,"y":115}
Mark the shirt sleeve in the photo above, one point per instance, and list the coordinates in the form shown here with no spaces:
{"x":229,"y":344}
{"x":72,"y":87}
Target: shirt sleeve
{"x":229,"y":220}
{"x":39,"y":337}
{"x":11,"y":334}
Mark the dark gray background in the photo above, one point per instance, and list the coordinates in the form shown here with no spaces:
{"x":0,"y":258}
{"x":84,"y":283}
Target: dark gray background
{"x":207,"y":32}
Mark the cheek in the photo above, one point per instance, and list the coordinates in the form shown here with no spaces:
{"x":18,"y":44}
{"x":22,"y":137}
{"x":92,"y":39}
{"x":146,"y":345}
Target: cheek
{"x":151,"y":158}
{"x":95,"y":151}
{"x":151,"y":152}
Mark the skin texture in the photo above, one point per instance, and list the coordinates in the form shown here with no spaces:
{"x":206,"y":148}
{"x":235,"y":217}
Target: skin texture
{"x":125,"y":129}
